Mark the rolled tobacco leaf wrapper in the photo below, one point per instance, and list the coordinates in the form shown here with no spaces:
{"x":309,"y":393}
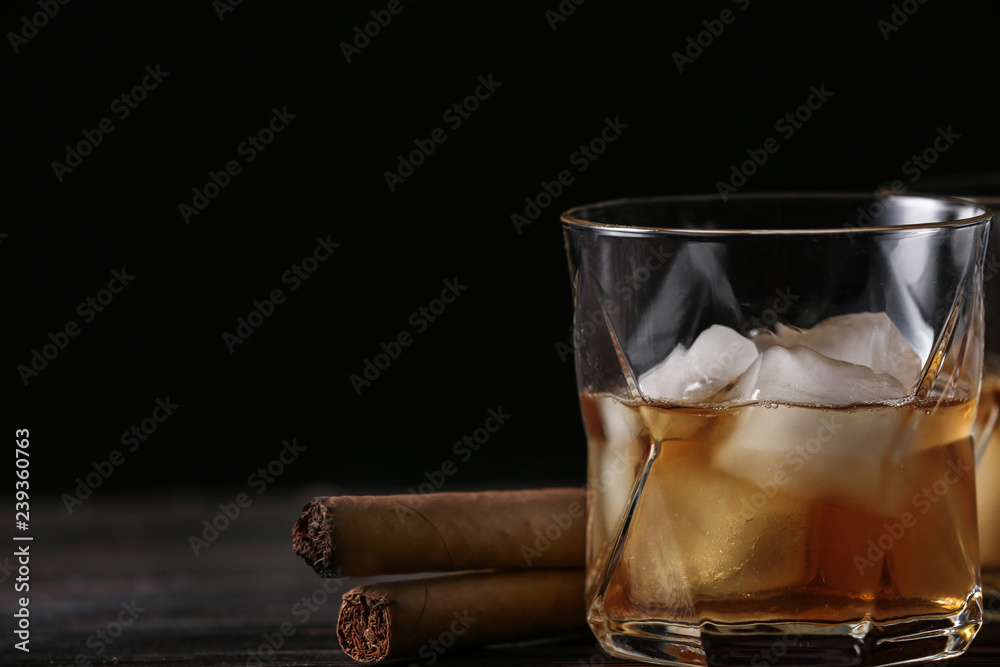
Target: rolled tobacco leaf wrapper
{"x":429,"y":616}
{"x":442,"y":532}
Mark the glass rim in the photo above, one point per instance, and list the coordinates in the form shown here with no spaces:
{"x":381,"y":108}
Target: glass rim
{"x":570,"y":221}
{"x":967,"y":185}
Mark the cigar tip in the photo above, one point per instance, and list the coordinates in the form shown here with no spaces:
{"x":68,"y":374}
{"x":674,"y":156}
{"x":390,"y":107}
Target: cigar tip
{"x":311,"y":537}
{"x":363,"y":627}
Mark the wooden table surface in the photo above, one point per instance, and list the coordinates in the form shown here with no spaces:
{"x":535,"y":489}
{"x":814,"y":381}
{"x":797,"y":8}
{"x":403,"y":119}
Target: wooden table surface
{"x":117,"y":558}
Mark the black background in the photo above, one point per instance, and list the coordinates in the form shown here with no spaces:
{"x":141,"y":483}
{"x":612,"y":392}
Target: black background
{"x":495,"y":346}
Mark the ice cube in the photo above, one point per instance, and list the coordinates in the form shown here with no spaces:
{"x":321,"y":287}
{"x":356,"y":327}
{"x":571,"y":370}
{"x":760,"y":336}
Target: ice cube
{"x":620,"y":460}
{"x":850,"y":458}
{"x":801,"y":375}
{"x":845,"y":457}
{"x":932,"y":553}
{"x":863,"y":339}
{"x":716,"y":358}
{"x":696,"y":536}
{"x":843,"y":542}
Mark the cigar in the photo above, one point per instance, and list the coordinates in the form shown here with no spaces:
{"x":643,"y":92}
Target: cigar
{"x":428,"y":616}
{"x":442,"y":532}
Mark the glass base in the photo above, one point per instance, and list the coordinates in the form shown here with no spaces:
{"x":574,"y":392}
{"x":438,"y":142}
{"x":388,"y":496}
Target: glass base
{"x":911,"y":641}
